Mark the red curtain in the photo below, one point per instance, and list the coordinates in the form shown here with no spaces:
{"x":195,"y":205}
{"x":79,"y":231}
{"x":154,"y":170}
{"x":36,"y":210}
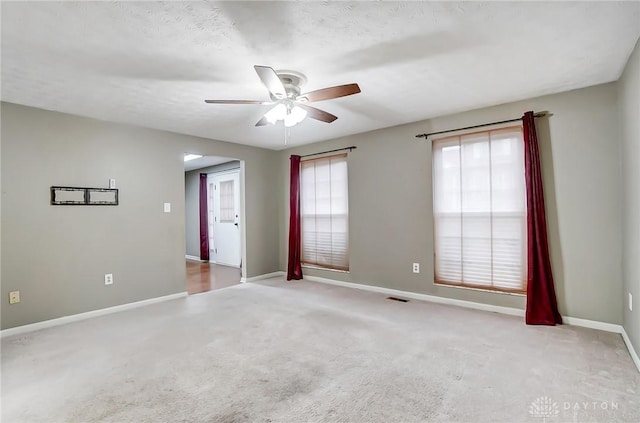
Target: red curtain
{"x":294,"y":268}
{"x":204,"y":219}
{"x":542,"y":308}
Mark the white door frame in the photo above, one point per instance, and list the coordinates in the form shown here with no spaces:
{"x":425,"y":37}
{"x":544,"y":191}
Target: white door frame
{"x":243,"y":226}
{"x":243,"y":231}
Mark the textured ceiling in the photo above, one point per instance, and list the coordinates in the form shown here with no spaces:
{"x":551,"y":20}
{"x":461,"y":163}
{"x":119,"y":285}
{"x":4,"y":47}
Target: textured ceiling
{"x":153,"y":63}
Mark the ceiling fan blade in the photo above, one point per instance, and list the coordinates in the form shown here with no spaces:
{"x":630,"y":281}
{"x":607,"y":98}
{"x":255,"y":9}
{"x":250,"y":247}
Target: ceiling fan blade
{"x":318,"y":114}
{"x":270,"y":79}
{"x":262,"y":122}
{"x":331,"y":92}
{"x":237,"y":102}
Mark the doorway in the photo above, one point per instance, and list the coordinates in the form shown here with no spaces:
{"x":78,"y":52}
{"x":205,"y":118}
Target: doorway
{"x":215,"y":245}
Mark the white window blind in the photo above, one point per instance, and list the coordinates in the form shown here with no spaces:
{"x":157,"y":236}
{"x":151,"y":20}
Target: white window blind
{"x":479,"y":210}
{"x":324,"y":212}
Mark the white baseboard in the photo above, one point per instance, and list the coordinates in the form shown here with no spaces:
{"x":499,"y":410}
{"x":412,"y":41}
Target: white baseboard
{"x":265,"y":276}
{"x":188,"y":257}
{"x":593,"y":324}
{"x":632,"y":351}
{"x":424,"y":297}
{"x":573,"y":321}
{"x":87,"y":315}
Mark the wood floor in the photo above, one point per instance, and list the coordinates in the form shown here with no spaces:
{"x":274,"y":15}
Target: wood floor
{"x":203,"y":277}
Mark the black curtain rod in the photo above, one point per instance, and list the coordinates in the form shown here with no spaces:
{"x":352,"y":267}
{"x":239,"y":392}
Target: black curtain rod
{"x":353,"y":147}
{"x":541,"y":114}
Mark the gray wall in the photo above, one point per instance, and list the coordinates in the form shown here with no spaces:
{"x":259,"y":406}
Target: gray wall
{"x":57,"y":255}
{"x":390,"y":202}
{"x":629,"y":91}
{"x":192,"y":201}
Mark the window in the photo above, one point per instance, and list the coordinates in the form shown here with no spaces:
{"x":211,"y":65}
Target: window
{"x":479,"y":210}
{"x":324,"y":212}
{"x":227,"y":202}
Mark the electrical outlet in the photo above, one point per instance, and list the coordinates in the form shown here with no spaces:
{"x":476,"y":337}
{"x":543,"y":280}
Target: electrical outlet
{"x":14,"y":297}
{"x":108,"y":279}
{"x":416,"y":267}
{"x":630,"y":302}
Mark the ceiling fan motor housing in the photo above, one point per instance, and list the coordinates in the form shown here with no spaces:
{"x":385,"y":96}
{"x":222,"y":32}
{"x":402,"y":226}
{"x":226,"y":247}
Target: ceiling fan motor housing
{"x":292,"y":82}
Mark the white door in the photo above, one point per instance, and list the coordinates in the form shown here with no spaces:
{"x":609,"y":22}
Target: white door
{"x":224,"y":218}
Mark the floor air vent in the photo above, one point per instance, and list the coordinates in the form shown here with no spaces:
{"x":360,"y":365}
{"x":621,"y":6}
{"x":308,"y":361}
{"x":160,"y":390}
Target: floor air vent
{"x":402,"y":300}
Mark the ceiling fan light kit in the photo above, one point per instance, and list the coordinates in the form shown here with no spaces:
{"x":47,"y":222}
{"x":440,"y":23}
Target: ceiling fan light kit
{"x":291,"y":115}
{"x":290,"y":106}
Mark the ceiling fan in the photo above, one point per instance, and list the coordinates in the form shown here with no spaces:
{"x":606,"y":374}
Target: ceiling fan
{"x":290,"y":105}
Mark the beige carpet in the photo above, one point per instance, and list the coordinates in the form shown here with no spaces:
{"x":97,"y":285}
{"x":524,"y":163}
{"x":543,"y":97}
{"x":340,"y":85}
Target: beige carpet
{"x":295,"y":352}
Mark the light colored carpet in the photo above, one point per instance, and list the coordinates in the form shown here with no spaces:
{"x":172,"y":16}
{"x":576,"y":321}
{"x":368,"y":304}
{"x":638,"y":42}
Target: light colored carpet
{"x":301,"y":351}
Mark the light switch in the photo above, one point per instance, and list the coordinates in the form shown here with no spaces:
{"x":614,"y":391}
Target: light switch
{"x":167,"y":207}
{"x":112,"y":183}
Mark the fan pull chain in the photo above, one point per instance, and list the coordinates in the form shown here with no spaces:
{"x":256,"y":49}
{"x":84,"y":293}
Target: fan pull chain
{"x":287,"y":134}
